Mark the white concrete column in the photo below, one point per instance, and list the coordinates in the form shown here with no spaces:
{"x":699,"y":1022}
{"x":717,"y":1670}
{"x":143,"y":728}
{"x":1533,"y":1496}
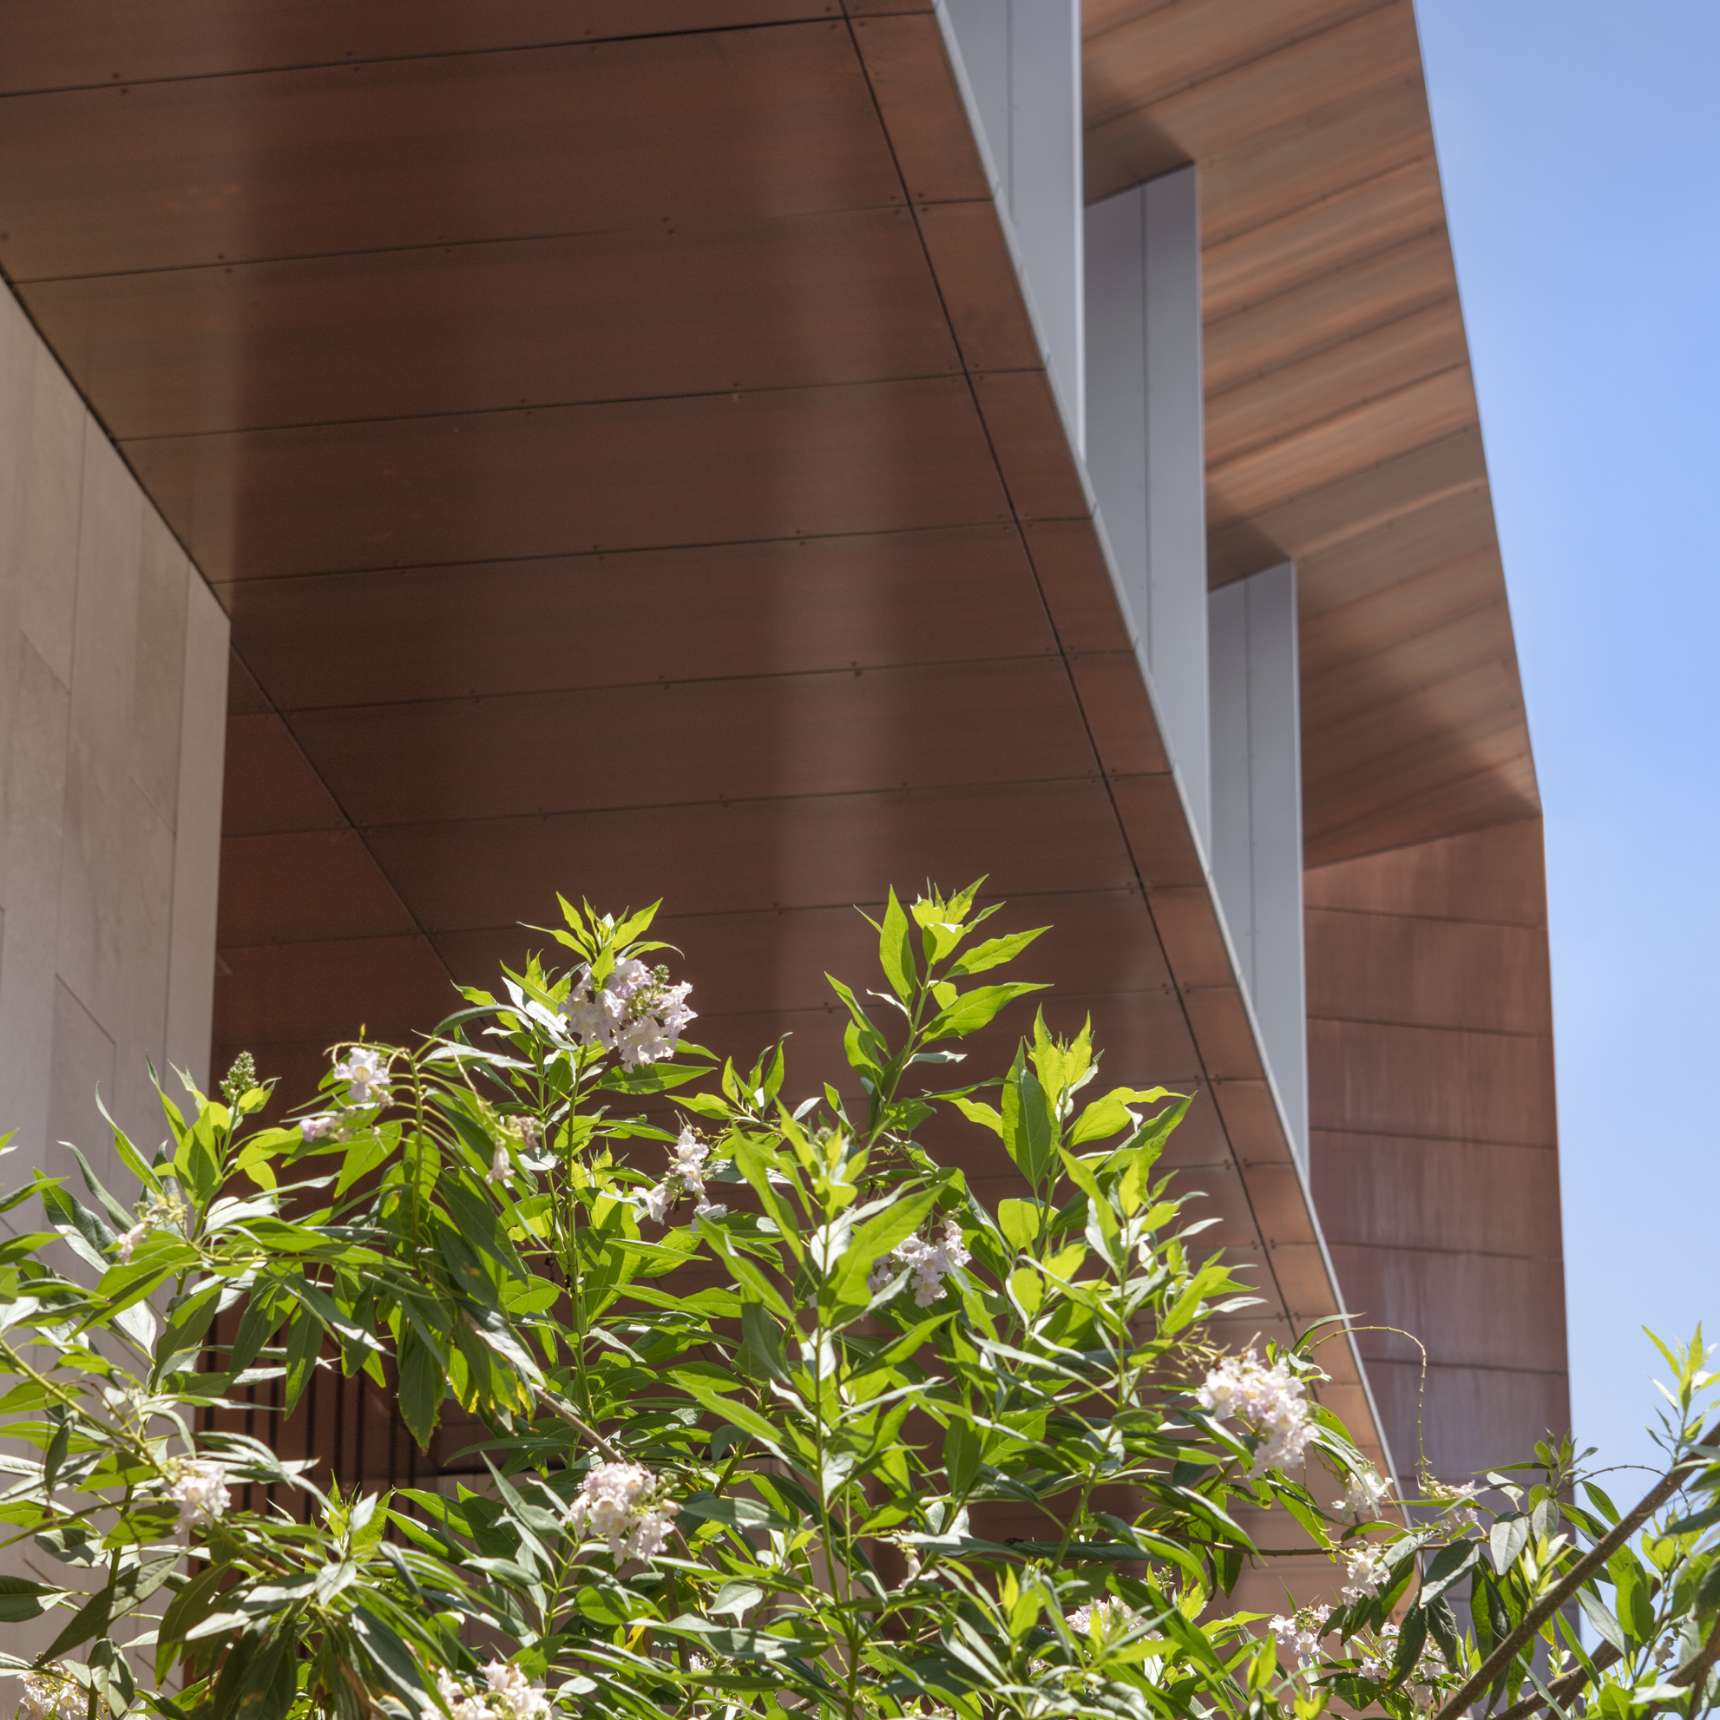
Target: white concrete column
{"x":1146,"y":445}
{"x":113,"y":716}
{"x":1021,"y":60}
{"x":1257,"y":817}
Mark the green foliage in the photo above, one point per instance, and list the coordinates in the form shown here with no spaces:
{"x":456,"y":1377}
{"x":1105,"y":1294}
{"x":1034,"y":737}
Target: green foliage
{"x":776,"y":1414}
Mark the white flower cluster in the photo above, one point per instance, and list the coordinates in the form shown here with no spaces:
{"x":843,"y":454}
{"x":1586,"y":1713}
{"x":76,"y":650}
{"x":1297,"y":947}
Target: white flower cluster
{"x":365,"y":1073}
{"x":686,"y":1178}
{"x":162,"y":1211}
{"x":49,"y":1694}
{"x":1421,"y":1684}
{"x":200,"y":1490}
{"x":505,"y":1694}
{"x":635,"y":1013}
{"x":513,"y":1134}
{"x":1271,"y":1400}
{"x":622,"y":1504}
{"x":1365,"y":1573}
{"x":1105,"y":1617}
{"x":1366,"y":1492}
{"x":1456,"y":1500}
{"x":1299,"y":1633}
{"x":928,"y":1263}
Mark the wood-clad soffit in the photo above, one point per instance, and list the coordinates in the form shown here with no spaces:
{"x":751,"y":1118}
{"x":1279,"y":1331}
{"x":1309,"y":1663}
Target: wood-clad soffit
{"x":629,"y":470}
{"x":1342,"y":429}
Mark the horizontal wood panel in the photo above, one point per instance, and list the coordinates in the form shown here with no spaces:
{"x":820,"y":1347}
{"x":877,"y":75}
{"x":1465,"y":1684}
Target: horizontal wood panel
{"x":1220,"y":113}
{"x":1319,"y":387}
{"x":1361,"y":296}
{"x":732,"y":610}
{"x":1313,"y":159}
{"x":427,"y":151}
{"x":1318,"y":519}
{"x":56,"y":44}
{"x":285,"y":886}
{"x":1484,"y":705}
{"x":1485,"y":875}
{"x":1488,"y":784}
{"x":1352,"y":440}
{"x":930,"y":133}
{"x":682,"y":741}
{"x":474,"y":327}
{"x":1428,"y":973}
{"x":1467,"y":654}
{"x":1151,"y":52}
{"x":1317,"y":243}
{"x":1407,"y":773}
{"x":1401,"y":1192}
{"x":268,"y":783}
{"x":387,"y":987}
{"x":1394,"y":618}
{"x":1431,"y":1081}
{"x":714,"y":469}
{"x":819,"y":851}
{"x":1471,"y":1310}
{"x":1451,"y":527}
{"x":1475,"y":1419}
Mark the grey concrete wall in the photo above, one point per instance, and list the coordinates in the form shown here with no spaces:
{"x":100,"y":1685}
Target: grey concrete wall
{"x":113,"y":674}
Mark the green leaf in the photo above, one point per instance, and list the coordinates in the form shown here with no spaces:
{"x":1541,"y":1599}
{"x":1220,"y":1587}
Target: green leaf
{"x":761,"y":1344}
{"x":91,"y":1619}
{"x":976,"y":1111}
{"x":1029,"y":1132}
{"x":1601,"y":1619}
{"x":1695,"y":1521}
{"x":1506,"y":1541}
{"x":389,"y":1657}
{"x":873,"y":1240}
{"x":1446,"y":1567}
{"x":994,"y":952}
{"x":1019,"y":1220}
{"x":20,"y":1600}
{"x":1113,"y":1112}
{"x":737,"y":1414}
{"x":896,"y":950}
{"x":423,"y":1378}
{"x":973,"y":1010}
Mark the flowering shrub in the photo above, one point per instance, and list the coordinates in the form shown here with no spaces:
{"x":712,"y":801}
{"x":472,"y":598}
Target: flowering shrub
{"x":846,"y":1441}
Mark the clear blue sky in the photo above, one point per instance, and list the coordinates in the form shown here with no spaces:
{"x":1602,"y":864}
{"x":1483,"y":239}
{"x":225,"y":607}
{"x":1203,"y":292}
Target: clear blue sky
{"x":1579,"y":142}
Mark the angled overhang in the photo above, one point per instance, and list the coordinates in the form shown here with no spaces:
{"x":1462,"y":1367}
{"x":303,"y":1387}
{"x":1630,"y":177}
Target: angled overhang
{"x":631,"y":467}
{"x":1342,"y":429}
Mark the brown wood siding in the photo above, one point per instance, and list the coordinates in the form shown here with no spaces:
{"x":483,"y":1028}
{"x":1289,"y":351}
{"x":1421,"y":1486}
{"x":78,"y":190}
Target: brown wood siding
{"x":1434,"y":1149}
{"x":1341,"y":422}
{"x":630,"y":469}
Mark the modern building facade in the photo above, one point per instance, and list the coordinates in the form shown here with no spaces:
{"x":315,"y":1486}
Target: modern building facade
{"x":749,"y":452}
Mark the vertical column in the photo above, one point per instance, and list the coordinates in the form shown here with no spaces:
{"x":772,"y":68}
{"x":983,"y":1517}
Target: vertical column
{"x":1146,"y":441}
{"x":1257,"y":817}
{"x":113,"y":665}
{"x":1022,"y":63}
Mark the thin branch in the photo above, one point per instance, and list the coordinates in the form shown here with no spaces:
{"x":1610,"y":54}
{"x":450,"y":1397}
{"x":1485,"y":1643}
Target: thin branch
{"x":1562,"y":1688}
{"x":1494,"y":1666}
{"x":578,"y":1423}
{"x":1694,"y":1672}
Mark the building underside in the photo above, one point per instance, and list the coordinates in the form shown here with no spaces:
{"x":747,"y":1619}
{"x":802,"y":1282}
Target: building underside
{"x":631,"y":465}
